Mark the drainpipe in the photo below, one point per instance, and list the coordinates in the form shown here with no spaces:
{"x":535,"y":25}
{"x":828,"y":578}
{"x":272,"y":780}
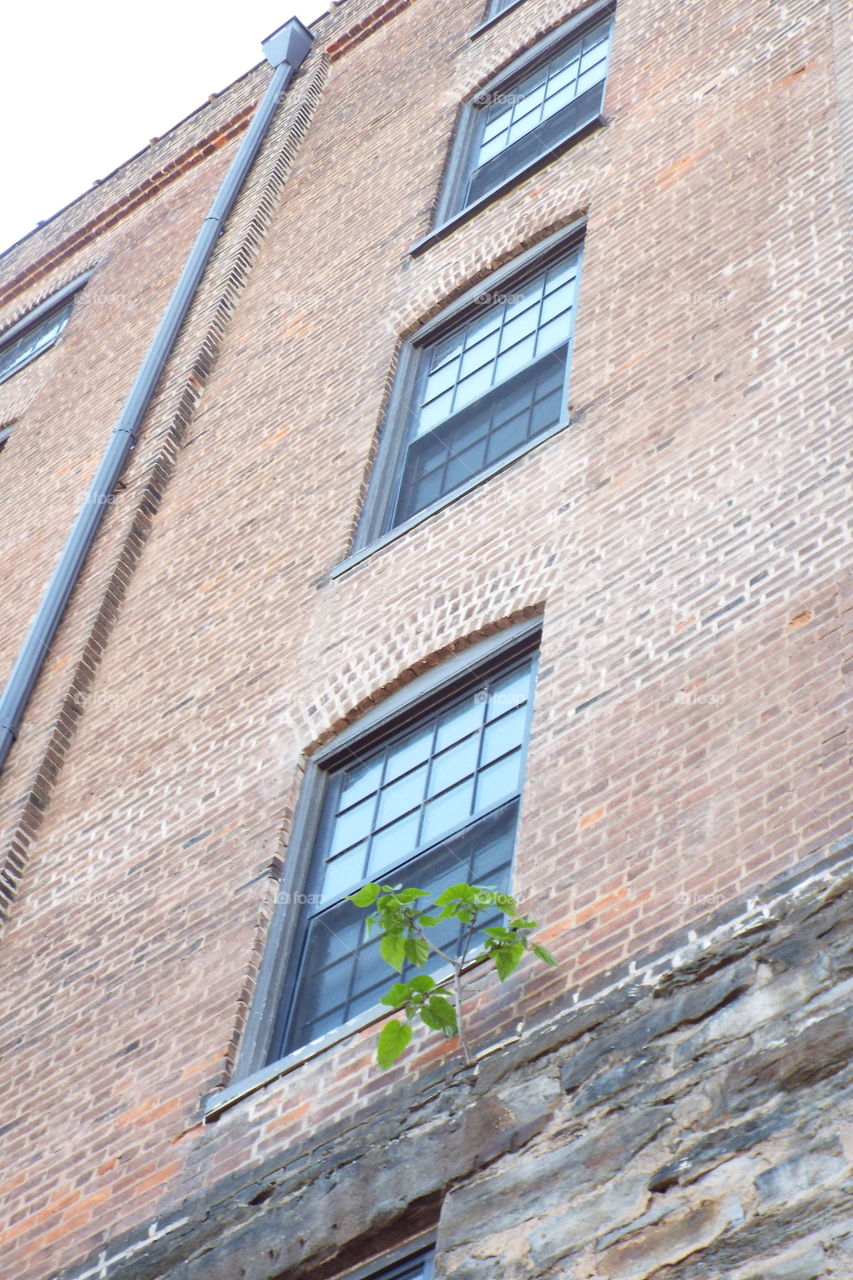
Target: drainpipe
{"x":285,"y":50}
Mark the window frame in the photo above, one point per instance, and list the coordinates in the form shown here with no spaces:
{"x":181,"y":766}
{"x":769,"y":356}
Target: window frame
{"x":449,"y":214}
{"x":63,"y":298}
{"x":372,"y":532}
{"x":397,"y":1261}
{"x":278,"y":974}
{"x":493,"y":15}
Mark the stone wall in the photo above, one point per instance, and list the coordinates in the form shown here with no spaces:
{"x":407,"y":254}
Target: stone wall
{"x":691,"y":1121}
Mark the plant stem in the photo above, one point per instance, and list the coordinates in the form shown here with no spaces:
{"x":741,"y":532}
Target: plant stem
{"x":457,"y":989}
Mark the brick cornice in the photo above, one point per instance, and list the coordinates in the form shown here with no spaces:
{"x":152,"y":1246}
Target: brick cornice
{"x":128,"y":203}
{"x":361,"y":30}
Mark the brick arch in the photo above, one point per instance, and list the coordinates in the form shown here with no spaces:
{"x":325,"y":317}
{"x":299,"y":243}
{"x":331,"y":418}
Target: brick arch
{"x":516,"y":592}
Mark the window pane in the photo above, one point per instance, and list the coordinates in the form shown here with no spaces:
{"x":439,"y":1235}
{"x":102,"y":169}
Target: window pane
{"x":393,"y":844}
{"x":447,"y":810}
{"x":345,"y":870}
{"x":498,"y":781}
{"x":542,"y":95}
{"x":443,"y":839}
{"x":408,"y":753}
{"x":401,"y":796}
{"x":454,"y":764}
{"x":503,"y":735}
{"x":353,"y":825}
{"x":359,"y":781}
{"x":459,"y":722}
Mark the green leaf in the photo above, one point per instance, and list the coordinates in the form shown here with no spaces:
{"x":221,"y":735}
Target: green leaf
{"x":441,"y":1008}
{"x":423,"y":982}
{"x":544,"y":954}
{"x":426,"y":921}
{"x":417,"y":950}
{"x":393,"y":1040}
{"x":456,"y":893}
{"x":393,"y":950}
{"x":397,"y":995}
{"x":411,"y":895}
{"x":366,"y":895}
{"x":507,"y":958}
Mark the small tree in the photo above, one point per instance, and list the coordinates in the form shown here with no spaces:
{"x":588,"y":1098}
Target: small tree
{"x":404,"y":927}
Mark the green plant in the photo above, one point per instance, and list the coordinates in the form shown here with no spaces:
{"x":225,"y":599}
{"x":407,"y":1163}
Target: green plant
{"x":404,"y":927}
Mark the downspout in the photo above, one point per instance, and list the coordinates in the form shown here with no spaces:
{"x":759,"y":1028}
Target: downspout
{"x":285,"y":50}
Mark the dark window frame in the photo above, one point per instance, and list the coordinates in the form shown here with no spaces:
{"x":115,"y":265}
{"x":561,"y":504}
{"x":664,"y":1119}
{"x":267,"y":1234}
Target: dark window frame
{"x":61,"y":301}
{"x":399,"y":1263}
{"x":278,"y":978}
{"x":450,"y":211}
{"x":374,"y":527}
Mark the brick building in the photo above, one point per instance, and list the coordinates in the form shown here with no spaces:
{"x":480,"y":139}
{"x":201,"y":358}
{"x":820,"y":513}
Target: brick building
{"x":483,"y":517}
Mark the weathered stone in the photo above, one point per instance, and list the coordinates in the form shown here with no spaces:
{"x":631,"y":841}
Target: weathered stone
{"x":715,"y":1147}
{"x":802,"y":1173}
{"x":667,"y":1242}
{"x":614,"y":1081}
{"x":805,"y":1266}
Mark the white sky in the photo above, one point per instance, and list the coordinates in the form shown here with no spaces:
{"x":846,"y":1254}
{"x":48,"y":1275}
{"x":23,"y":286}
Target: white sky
{"x":84,"y":84}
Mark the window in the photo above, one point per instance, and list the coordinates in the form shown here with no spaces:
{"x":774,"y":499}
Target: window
{"x":5,"y":432}
{"x":428,"y":795}
{"x":477,"y":388}
{"x":32,"y":335}
{"x":416,"y":1267}
{"x":528,"y":112}
{"x":498,"y":6}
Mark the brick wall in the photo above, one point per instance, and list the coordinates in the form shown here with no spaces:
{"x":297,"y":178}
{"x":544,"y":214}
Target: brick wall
{"x":683,"y":541}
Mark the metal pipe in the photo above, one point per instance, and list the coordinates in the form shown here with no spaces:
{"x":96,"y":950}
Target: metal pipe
{"x":286,"y":50}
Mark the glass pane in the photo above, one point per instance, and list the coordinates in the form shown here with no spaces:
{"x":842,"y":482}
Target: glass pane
{"x":445,"y":350}
{"x":504,"y":734}
{"x":518,"y":357}
{"x":492,"y":148}
{"x":454,"y":764}
{"x":435,"y":412}
{"x":442,"y":378}
{"x":522,"y":298}
{"x":447,"y":810}
{"x":588,"y":78}
{"x":523,"y":325}
{"x":563,"y":76}
{"x":459,"y":722}
{"x":498,"y":782}
{"x":345,"y":870}
{"x":360,"y":780}
{"x":463,"y":466}
{"x":327,"y":989}
{"x":409,"y":752}
{"x":393,"y":845}
{"x":510,"y":435}
{"x":401,"y":796}
{"x":557,"y":301}
{"x":334,"y":935}
{"x":481,"y":353}
{"x":473,"y":387}
{"x":508,"y":692}
{"x":486,"y":322}
{"x":426,"y":491}
{"x":353,"y":825}
{"x":554,"y":334}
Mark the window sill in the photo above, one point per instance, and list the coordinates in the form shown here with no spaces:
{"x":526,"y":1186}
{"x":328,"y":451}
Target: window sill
{"x":496,"y":17}
{"x":457,"y":219}
{"x":217,"y":1103}
{"x":352,"y":561}
{"x":223,"y":1099}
